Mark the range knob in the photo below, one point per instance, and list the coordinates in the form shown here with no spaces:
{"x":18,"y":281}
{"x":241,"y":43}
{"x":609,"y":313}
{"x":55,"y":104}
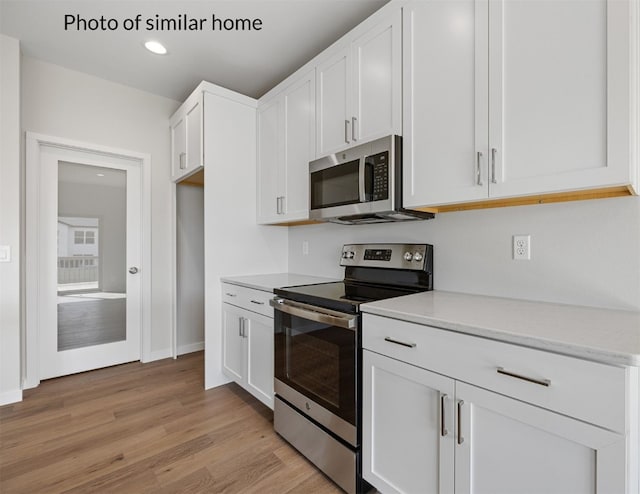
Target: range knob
{"x":408,"y":256}
{"x":418,"y":257}
{"x":348,"y":254}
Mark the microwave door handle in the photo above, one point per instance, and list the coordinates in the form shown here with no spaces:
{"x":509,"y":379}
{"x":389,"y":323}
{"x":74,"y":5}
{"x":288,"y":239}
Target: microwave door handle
{"x":311,"y":313}
{"x":362,"y":171}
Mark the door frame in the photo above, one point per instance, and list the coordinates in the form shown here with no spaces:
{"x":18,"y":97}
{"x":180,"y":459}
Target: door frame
{"x":31,"y":337}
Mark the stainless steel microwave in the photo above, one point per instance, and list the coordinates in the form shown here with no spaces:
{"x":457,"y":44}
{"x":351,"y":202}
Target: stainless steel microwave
{"x":362,"y":184}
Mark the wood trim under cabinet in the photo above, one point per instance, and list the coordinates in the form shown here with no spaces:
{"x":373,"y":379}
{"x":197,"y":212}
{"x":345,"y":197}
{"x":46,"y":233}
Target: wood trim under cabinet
{"x":196,"y":180}
{"x":536,"y":199}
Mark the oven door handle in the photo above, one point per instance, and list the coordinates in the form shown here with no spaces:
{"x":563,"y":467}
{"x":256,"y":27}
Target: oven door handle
{"x":317,"y":314}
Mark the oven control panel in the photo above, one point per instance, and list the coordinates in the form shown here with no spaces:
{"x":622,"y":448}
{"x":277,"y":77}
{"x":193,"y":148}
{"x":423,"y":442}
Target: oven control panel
{"x":390,"y":256}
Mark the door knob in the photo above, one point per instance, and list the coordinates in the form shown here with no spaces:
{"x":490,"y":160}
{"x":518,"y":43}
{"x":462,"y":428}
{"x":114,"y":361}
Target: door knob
{"x":133,"y":270}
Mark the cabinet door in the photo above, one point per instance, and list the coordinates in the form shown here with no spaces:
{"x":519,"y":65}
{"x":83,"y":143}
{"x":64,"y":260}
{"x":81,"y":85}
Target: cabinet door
{"x":445,"y":102}
{"x":269,"y":161}
{"x":299,"y":145}
{"x":510,"y":447}
{"x":259,"y":341}
{"x":233,"y":348}
{"x":377,"y":81}
{"x":195,"y":151}
{"x":408,"y":427}
{"x":559,"y":95}
{"x":178,"y":146}
{"x":333,"y":86}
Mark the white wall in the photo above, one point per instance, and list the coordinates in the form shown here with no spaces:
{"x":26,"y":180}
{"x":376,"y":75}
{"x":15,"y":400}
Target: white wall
{"x":109,"y":204}
{"x":585,"y":252}
{"x":10,"y":286}
{"x":69,"y":104}
{"x":189,"y":263}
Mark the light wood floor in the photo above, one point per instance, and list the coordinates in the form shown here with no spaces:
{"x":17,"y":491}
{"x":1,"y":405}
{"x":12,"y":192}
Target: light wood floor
{"x":148,"y":428}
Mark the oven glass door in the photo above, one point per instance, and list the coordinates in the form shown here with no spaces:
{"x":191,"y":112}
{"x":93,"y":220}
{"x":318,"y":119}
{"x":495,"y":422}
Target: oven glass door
{"x":317,"y":359}
{"x":336,"y":186}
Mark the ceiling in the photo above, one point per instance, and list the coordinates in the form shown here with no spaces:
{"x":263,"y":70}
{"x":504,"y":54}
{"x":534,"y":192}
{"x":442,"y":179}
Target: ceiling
{"x":79,"y":174}
{"x":250,"y":62}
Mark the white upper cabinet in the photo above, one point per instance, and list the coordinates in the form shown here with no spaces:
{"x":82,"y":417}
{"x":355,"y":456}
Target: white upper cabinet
{"x":509,"y":99}
{"x":334,"y":113}
{"x":299,"y":146}
{"x":359,"y":87}
{"x":270,"y":138}
{"x":377,"y":81}
{"x":286,"y":144}
{"x":187,"y":145}
{"x":445,"y":107}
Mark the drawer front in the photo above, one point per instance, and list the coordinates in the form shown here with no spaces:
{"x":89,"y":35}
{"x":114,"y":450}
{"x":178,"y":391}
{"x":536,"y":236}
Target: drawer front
{"x":579,"y":388}
{"x":248,"y":298}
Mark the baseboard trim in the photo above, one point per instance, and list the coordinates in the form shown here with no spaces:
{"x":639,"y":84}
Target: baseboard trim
{"x":10,"y":397}
{"x":157,"y":355}
{"x":190,"y":348}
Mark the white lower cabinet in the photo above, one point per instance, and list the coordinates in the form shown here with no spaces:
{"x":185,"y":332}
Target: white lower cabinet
{"x":247,"y":349}
{"x":427,"y":433}
{"x":405,"y":410}
{"x":430,"y":425}
{"x":505,"y":446}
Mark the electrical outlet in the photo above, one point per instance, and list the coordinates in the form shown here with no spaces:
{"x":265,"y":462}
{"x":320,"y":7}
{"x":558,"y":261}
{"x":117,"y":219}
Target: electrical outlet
{"x":305,"y":247}
{"x":522,"y":247}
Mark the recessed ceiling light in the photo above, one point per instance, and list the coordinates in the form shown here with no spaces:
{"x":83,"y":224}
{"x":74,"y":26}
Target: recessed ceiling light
{"x":155,"y":47}
{"x":100,"y":174}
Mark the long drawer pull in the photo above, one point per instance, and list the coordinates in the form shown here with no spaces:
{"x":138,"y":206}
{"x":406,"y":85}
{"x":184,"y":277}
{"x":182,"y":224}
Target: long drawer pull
{"x":230,"y":294}
{"x":257,"y":302}
{"x":398,"y":342}
{"x":443,"y":425}
{"x":541,"y":382}
{"x":460,"y":437}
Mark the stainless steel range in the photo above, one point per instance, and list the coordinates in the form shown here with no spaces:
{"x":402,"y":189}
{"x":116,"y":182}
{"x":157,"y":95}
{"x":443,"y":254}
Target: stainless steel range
{"x":318,"y":349}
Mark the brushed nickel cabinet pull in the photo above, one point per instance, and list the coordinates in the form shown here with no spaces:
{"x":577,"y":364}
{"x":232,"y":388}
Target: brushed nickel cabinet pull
{"x":346,"y":131}
{"x":228,"y":294}
{"x":257,"y":302}
{"x":443,"y":425}
{"x":478,"y":168}
{"x":183,"y":161}
{"x":354,"y":127}
{"x":398,"y":342}
{"x":542,"y":382}
{"x":493,"y":166}
{"x":460,"y":438}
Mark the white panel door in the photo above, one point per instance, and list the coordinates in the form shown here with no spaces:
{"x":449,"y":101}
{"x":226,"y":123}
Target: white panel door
{"x":233,"y":348}
{"x":408,"y":427}
{"x":559,"y":95}
{"x":445,"y":102}
{"x":299,"y":145}
{"x":269,"y":161}
{"x":377,"y":81}
{"x":333,"y":86}
{"x":89,"y":256}
{"x":505,"y":446}
{"x":259,"y":342}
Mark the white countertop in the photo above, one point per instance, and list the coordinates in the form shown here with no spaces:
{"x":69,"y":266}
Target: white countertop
{"x":267,"y":282}
{"x":609,"y":336}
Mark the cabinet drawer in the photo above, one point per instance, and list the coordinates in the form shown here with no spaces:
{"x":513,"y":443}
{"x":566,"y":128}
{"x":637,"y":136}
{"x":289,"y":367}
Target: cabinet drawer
{"x":248,"y":298}
{"x":579,"y":388}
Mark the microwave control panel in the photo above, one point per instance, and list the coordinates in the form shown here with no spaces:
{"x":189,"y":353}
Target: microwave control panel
{"x":379,"y":165}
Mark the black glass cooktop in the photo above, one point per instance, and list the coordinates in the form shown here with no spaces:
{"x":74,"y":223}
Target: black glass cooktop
{"x":340,"y":295}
